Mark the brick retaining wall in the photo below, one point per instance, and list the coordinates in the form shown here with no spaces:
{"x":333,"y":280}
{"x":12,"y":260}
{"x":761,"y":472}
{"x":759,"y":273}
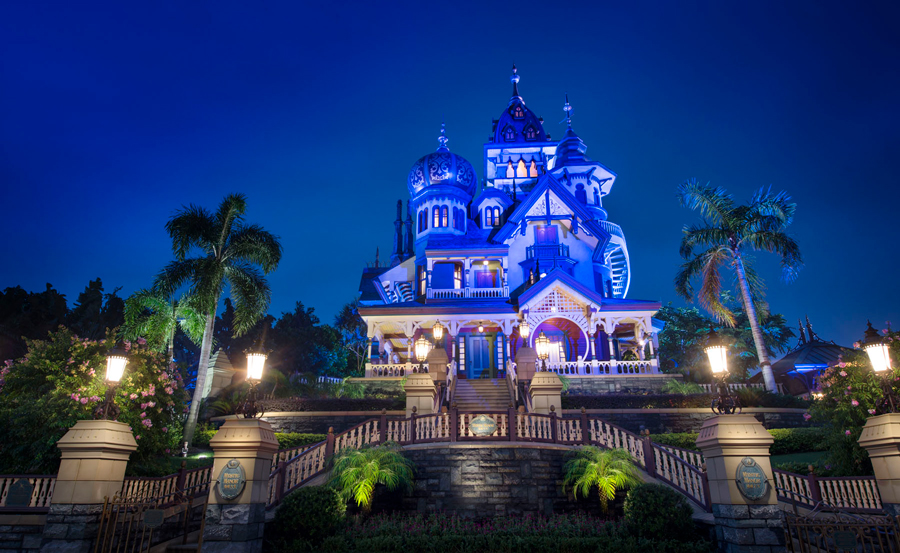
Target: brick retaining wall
{"x":21,"y":532}
{"x":662,"y":421}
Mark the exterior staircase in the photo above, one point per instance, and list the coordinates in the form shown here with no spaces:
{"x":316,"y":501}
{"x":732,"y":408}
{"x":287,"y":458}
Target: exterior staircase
{"x":482,"y":394}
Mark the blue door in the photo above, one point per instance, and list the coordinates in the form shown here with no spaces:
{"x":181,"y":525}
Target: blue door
{"x":478,"y":357}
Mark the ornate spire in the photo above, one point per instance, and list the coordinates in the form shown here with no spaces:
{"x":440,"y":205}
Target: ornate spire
{"x":442,"y":140}
{"x":568,"y":109}
{"x":514,"y":79}
{"x":809,"y":331}
{"x":802,"y":333}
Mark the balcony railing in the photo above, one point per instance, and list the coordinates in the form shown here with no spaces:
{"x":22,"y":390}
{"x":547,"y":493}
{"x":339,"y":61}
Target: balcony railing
{"x":466,"y":293}
{"x":546,"y":251}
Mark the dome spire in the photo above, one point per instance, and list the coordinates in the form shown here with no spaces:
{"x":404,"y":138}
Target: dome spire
{"x":514,"y":79}
{"x":568,"y":109}
{"x":442,"y":140}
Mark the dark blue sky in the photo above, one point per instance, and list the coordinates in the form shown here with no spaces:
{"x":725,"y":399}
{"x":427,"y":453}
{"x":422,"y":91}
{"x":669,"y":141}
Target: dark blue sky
{"x":114,"y":115}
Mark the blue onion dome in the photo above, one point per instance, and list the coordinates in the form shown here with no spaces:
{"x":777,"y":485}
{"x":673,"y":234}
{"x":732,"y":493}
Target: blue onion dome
{"x":517,"y":123}
{"x":571,"y":148}
{"x":444,"y":168}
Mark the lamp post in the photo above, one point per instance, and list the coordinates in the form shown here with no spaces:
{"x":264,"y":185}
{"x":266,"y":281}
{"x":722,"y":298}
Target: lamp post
{"x":524,"y":330}
{"x":256,"y":363}
{"x":438,"y":332}
{"x":727,"y":403}
{"x":542,"y":346}
{"x":877,"y":349}
{"x":116,"y":360}
{"x":423,"y":346}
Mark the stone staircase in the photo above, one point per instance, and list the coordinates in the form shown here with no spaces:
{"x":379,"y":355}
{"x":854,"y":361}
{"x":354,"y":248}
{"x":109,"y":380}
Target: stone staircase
{"x":482,"y":394}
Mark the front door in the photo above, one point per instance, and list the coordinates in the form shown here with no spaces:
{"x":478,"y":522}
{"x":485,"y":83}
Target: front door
{"x":478,"y":362}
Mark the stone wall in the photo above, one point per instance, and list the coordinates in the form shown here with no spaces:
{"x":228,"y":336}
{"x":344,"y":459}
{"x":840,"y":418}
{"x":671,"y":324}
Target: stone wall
{"x":319,"y":422}
{"x":21,"y":532}
{"x":477,"y":481}
{"x":392,"y":386}
{"x":592,"y":385}
{"x":662,"y":421}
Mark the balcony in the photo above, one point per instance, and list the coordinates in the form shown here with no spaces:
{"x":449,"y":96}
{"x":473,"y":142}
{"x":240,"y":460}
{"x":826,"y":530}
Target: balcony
{"x":466,"y":293}
{"x":548,"y":251}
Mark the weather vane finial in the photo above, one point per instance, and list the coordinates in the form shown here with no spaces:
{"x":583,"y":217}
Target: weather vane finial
{"x":443,"y":138}
{"x":514,"y":79}
{"x":568,"y":109}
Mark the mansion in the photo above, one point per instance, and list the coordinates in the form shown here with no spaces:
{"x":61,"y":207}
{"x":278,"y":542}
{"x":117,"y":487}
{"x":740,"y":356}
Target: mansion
{"x":533,"y":245}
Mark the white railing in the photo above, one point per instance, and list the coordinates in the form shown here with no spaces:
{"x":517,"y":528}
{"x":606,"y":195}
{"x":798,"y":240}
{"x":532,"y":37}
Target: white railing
{"x":714,"y":388}
{"x":513,"y":381}
{"x":852,"y":493}
{"x":41,"y":489}
{"x":604,"y":368}
{"x":388,"y":369}
{"x":466,"y":293}
{"x":324,"y":379}
{"x":451,"y":380}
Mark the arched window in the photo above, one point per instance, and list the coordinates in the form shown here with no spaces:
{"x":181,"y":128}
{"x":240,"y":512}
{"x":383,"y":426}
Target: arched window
{"x":509,"y":133}
{"x":496,"y":216}
{"x":445,"y":217}
{"x":518,"y":112}
{"x":510,"y":172}
{"x":488,"y":217}
{"x":435,"y":217}
{"x":423,"y":220}
{"x":530,"y":133}
{"x":521,"y":171}
{"x":533,"y":170}
{"x":422,"y":280}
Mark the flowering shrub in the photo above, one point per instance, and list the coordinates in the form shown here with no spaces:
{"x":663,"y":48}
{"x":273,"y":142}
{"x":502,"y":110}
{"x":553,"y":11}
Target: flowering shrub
{"x":851,"y":393}
{"x":61,"y":380}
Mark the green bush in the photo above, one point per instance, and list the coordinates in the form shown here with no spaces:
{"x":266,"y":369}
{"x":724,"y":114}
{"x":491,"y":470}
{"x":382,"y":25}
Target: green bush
{"x":296,"y":439}
{"x":787,"y":440}
{"x":304,"y":518}
{"x":657,"y":512}
{"x":202,"y":437}
{"x":755,"y":398}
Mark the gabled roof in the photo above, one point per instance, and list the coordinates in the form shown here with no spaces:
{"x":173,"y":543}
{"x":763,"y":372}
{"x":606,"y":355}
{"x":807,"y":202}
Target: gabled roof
{"x":368,"y":286}
{"x":547,"y":183}
{"x":606,"y":304}
{"x":813,"y":354}
{"x":475,"y":238}
{"x":491,"y":192}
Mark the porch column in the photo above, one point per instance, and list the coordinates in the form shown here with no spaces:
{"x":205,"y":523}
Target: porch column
{"x":593,"y":346}
{"x":409,"y":350}
{"x":651,"y":340}
{"x":736,"y":449}
{"x":638,"y":338}
{"x":612,"y":350}
{"x":881,"y":438}
{"x":467,"y":263}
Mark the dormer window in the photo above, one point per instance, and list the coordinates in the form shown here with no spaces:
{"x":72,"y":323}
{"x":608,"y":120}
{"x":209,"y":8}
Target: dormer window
{"x":518,"y":113}
{"x":510,"y":172}
{"x":530,"y":133}
{"x":491,"y":217}
{"x":509,"y":133}
{"x":533,"y":171}
{"x":521,"y":171}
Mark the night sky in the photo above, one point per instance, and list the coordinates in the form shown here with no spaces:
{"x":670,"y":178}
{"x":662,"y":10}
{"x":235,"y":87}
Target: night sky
{"x":112,"y":116}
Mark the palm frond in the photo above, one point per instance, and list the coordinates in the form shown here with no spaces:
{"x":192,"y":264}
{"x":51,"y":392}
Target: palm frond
{"x":710,"y":294}
{"x":192,"y":226}
{"x":714,"y":204}
{"x":191,"y":318}
{"x":252,"y":244}
{"x":779,"y":243}
{"x":230,"y":211}
{"x":251,"y":295}
{"x":695,"y":235}
{"x":173,"y":276}
{"x":778,"y":205}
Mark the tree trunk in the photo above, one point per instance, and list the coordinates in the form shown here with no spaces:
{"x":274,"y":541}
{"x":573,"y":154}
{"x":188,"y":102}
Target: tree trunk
{"x":172,"y":346}
{"x":202,"y":369}
{"x":761,"y":352}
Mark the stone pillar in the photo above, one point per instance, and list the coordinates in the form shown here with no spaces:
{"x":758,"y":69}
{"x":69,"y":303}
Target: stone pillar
{"x":420,"y":393}
{"x":743,"y":525}
{"x":437,"y":364}
{"x":525,"y":363}
{"x":545,"y":391}
{"x":236,"y":525}
{"x":94,"y":455}
{"x":881,"y":438}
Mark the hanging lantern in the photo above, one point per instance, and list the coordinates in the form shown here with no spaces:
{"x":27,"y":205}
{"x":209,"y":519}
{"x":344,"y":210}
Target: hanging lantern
{"x":877,"y":349}
{"x":481,"y":328}
{"x":542,"y":346}
{"x":423,"y":346}
{"x":524,"y":330}
{"x":437,"y":331}
{"x":717,"y":352}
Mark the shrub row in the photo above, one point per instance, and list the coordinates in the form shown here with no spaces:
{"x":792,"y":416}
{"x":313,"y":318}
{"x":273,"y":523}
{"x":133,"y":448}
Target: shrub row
{"x":787,"y":440}
{"x":673,"y":401}
{"x":285,"y":440}
{"x":332,"y":404}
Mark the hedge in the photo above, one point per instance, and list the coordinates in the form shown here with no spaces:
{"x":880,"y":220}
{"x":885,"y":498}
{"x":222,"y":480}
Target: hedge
{"x":331,"y":404}
{"x":673,"y":401}
{"x":286,"y":440}
{"x":787,"y":440}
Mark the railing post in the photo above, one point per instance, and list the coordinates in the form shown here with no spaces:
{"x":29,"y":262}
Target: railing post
{"x":382,"y":427}
{"x":649,"y":455}
{"x":704,"y":481}
{"x":454,"y":422}
{"x":280,"y":477}
{"x":181,"y":480}
{"x":814,"y":492}
{"x":585,"y":428}
{"x":329,"y":442}
{"x":513,"y":422}
{"x":554,"y":431}
{"x":412,"y":426}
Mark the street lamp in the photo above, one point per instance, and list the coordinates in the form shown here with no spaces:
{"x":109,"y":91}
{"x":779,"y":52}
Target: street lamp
{"x":542,"y":345}
{"x":437,"y":331}
{"x":116,"y":360}
{"x":256,"y":364}
{"x":524,"y":330}
{"x":877,"y":349}
{"x":423,"y":346}
{"x":727,"y":403}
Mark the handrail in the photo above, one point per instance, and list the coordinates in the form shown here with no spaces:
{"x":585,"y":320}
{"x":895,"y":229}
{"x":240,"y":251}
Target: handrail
{"x":848,"y":493}
{"x":41,"y":492}
{"x":512,"y":381}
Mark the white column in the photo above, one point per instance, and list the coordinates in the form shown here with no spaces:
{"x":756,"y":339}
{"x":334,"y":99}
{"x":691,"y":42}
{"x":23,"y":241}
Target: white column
{"x":409,"y":349}
{"x":652,"y":340}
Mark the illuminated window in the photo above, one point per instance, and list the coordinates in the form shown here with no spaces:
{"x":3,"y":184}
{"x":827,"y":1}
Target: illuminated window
{"x":423,"y":220}
{"x":445,"y":217}
{"x":496,"y":216}
{"x":422,"y":280}
{"x":510,"y":172}
{"x":518,"y":112}
{"x":533,"y":171}
{"x":488,"y":217}
{"x":435,"y":217}
{"x":509,"y":133}
{"x":530,"y":133}
{"x":457,"y":277}
{"x":521,"y":171}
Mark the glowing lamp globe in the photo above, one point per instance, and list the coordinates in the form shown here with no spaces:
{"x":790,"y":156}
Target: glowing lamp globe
{"x":423,"y":346}
{"x":256,"y":362}
{"x":877,"y":350}
{"x":481,"y":328}
{"x":438,"y":331}
{"x":717,"y":353}
{"x":524,"y":330}
{"x":542,"y":345}
{"x":115,"y":365}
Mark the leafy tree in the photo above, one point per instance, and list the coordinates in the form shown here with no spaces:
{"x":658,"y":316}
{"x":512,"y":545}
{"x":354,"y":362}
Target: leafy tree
{"x":95,"y":312}
{"x":302,"y":345}
{"x":157,"y":318}
{"x":235,"y":346}
{"x":354,"y":337}
{"x":608,"y":470}
{"x":356,"y":472}
{"x":61,"y":380}
{"x":727,"y":233}
{"x":232,"y":254}
{"x":28,"y":315}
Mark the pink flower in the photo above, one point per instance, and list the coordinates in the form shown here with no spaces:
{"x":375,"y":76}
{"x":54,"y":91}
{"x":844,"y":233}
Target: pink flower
{"x":807,"y":416}
{"x":133,"y":396}
{"x":152,"y":404}
{"x":127,"y":345}
{"x":168,"y":450}
{"x":871,"y":411}
{"x":142,"y":342}
{"x":143,"y":406}
{"x":143,"y":415}
{"x":138,"y":437}
{"x":169,"y":390}
{"x":854,"y":403}
{"x":843,"y":373}
{"x":92,"y":372}
{"x":847,"y":432}
{"x":143,"y":394}
{"x":95,"y":398}
{"x":83,"y":401}
{"x":147,"y":423}
{"x":165,"y":429}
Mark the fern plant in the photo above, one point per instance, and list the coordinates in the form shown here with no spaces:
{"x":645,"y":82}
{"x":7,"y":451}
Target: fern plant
{"x":608,"y":470}
{"x":356,"y":472}
{"x":681,"y":387}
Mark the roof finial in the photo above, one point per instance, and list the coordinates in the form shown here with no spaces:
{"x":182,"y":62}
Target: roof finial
{"x":514,"y":79}
{"x":812,"y":335}
{"x":802,"y":333}
{"x":568,"y":109}
{"x":443,"y":139}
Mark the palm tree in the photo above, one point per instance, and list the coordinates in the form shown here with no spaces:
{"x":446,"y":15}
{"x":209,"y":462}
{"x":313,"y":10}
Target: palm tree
{"x":727,"y":233}
{"x":356,"y":472}
{"x":606,"y":469}
{"x":232,"y":253}
{"x":156,"y":318}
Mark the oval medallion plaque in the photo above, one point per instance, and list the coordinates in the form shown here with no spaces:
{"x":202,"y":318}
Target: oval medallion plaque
{"x":232,"y":480}
{"x":751,"y":480}
{"x":482,"y":425}
{"x":19,"y":494}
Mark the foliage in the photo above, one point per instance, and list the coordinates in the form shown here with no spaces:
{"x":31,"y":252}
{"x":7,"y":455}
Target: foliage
{"x":304,"y":518}
{"x":787,"y":440}
{"x":608,"y":470}
{"x":165,"y":466}
{"x":332,"y":404}
{"x":356,"y":472}
{"x":354,"y":337}
{"x":725,"y":237}
{"x":852,"y":392}
{"x":202,"y":436}
{"x":156,"y":319}
{"x":289,"y":440}
{"x":28,"y":315}
{"x":61,"y":380}
{"x":94,"y":312}
{"x":232,"y":254}
{"x":658,"y":512}
{"x":673,"y":401}
{"x":576,"y":533}
{"x":682,"y":387}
